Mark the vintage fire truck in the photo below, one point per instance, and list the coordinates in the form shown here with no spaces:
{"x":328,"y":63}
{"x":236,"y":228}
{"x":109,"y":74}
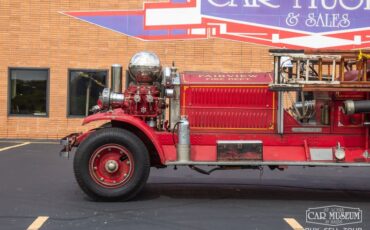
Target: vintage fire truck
{"x":311,"y":110}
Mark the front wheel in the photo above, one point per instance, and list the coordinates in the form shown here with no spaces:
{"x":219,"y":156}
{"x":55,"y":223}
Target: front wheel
{"x":111,"y":164}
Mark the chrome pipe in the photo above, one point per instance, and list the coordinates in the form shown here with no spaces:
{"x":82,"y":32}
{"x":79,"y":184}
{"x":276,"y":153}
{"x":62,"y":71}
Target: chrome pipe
{"x":280,"y":114}
{"x":116,"y":78}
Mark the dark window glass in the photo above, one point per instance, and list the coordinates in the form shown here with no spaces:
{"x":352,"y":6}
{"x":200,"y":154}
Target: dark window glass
{"x":85,"y":87}
{"x":28,"y":91}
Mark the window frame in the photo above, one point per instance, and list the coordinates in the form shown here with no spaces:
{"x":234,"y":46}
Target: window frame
{"x":68,"y":115}
{"x":10,"y":69}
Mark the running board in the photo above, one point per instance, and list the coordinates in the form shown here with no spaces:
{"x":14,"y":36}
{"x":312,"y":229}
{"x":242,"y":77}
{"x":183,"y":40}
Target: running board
{"x":261,"y":163}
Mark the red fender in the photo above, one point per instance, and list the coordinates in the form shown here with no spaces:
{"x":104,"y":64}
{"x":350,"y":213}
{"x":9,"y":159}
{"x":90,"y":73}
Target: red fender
{"x":119,"y":115}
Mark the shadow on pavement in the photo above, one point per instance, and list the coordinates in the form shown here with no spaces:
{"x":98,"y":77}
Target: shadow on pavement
{"x":249,"y":192}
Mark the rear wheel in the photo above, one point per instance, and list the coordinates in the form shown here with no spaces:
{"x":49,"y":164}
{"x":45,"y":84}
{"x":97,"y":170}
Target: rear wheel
{"x":111,"y":164}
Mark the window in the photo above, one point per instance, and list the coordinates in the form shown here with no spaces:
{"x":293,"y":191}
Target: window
{"x":28,"y":91}
{"x":85,"y":87}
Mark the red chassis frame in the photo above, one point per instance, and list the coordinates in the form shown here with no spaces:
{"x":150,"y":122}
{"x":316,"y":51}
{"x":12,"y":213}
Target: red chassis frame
{"x":248,"y":113}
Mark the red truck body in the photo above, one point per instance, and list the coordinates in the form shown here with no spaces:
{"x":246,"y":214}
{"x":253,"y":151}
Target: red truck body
{"x":244,"y":120}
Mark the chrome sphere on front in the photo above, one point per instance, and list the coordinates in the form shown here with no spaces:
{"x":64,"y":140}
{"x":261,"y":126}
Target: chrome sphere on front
{"x":145,"y":67}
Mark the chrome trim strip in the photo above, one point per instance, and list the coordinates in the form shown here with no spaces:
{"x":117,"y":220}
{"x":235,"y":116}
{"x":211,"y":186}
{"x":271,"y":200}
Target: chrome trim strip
{"x":306,"y":130}
{"x":261,"y":163}
{"x":239,"y":142}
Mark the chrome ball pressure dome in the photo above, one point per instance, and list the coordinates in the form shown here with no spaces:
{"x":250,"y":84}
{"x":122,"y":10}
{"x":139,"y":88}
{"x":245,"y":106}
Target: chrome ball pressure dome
{"x":145,"y":67}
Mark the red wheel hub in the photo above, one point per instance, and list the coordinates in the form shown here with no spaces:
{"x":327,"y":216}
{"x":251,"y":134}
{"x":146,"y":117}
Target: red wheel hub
{"x":111,"y":166}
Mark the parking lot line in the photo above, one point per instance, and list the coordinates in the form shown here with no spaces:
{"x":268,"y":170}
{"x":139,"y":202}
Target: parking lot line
{"x":293,"y":223}
{"x":45,"y":142}
{"x":37,"y":224}
{"x":15,"y":146}
{"x":32,"y":142}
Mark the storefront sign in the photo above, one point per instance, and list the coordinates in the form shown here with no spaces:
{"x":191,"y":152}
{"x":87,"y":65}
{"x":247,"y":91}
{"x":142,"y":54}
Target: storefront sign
{"x":200,"y":78}
{"x":319,"y":24}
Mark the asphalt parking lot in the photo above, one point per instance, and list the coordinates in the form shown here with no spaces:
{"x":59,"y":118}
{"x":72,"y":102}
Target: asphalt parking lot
{"x":38,"y":191}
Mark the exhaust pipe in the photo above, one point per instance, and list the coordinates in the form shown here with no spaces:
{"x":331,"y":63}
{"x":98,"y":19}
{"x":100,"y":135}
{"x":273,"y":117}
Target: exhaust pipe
{"x":116,"y":78}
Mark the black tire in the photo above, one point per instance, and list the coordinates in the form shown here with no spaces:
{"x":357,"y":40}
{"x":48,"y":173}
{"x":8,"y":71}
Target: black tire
{"x":119,"y":137}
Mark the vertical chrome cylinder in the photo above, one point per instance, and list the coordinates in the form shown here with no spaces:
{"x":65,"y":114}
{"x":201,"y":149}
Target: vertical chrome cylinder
{"x":183,"y":146}
{"x":325,"y":116}
{"x":167,"y":76}
{"x":116,"y":78}
{"x":175,"y":107}
{"x":280,"y":114}
{"x":175,"y":100}
{"x":276,"y":70}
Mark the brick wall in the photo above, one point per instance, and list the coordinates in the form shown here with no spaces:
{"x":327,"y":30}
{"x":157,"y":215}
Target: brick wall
{"x":34,"y":34}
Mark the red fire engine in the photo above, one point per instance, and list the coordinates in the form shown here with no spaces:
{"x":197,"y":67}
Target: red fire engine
{"x":310,"y":111}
